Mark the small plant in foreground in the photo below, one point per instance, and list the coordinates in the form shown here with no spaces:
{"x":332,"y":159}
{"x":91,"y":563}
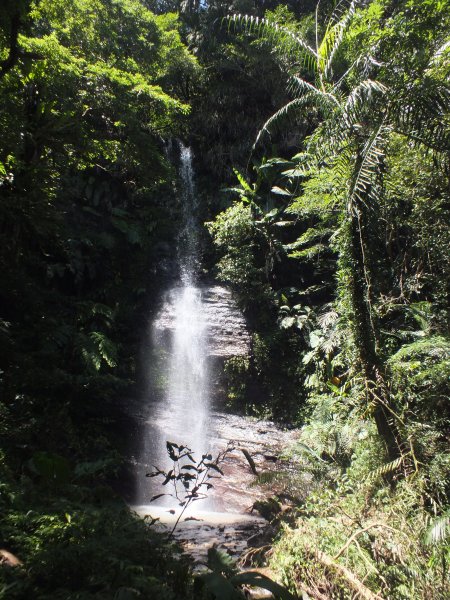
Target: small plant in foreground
{"x":191,"y":479}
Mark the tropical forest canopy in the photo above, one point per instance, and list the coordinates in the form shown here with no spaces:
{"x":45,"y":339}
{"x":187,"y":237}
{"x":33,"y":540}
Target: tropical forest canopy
{"x":321,"y":144}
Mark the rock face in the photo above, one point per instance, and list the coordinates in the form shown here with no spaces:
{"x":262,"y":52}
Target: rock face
{"x":225,"y":325}
{"x":228,"y":334}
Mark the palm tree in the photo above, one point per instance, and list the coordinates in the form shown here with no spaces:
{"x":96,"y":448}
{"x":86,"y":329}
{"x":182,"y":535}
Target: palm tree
{"x":352,"y":133}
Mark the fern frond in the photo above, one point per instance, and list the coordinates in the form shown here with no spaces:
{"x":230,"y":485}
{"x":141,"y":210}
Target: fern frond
{"x":328,"y":319}
{"x":436,"y":347}
{"x":106,"y":348}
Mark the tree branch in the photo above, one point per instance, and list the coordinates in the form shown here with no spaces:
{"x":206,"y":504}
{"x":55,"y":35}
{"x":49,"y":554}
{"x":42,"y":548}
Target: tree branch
{"x":13,"y":56}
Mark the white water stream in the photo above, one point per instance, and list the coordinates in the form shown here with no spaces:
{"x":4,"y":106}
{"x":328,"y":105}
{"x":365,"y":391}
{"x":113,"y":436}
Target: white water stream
{"x":182,"y":415}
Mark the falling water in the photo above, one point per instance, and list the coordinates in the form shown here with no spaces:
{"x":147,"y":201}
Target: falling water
{"x":181,"y":416}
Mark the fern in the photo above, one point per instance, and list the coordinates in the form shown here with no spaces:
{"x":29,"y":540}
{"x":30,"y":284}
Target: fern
{"x":106,"y":348}
{"x":435,"y":347}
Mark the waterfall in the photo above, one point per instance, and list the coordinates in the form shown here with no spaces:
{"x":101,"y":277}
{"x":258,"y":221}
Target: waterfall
{"x":180,"y":339}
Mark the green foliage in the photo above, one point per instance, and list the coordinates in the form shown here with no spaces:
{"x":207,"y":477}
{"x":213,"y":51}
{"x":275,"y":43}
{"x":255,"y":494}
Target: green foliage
{"x":85,"y":544}
{"x":236,"y":371}
{"x":438,"y":530}
{"x":236,"y":235}
{"x":366,"y":194}
{"x":337,"y":248}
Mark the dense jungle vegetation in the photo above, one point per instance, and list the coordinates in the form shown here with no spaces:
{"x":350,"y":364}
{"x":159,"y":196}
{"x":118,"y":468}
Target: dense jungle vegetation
{"x":321,"y":137}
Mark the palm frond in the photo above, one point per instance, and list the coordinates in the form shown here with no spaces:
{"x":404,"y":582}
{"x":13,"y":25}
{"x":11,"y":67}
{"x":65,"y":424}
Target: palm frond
{"x":334,"y":34}
{"x":281,"y":116}
{"x":439,"y":530}
{"x":341,"y":9}
{"x":323,"y":100}
{"x":363,"y":186}
{"x":276,"y":34}
{"x":387,"y":468}
{"x":440,"y":53}
{"x":422,"y":115}
{"x":359,"y":98}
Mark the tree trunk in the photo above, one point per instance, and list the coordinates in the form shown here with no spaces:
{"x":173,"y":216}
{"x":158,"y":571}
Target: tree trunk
{"x":365,"y":338}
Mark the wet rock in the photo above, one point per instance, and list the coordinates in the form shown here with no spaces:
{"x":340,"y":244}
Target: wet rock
{"x":8,"y":559}
{"x":259,"y":594}
{"x":227,"y":330}
{"x":263,"y":537}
